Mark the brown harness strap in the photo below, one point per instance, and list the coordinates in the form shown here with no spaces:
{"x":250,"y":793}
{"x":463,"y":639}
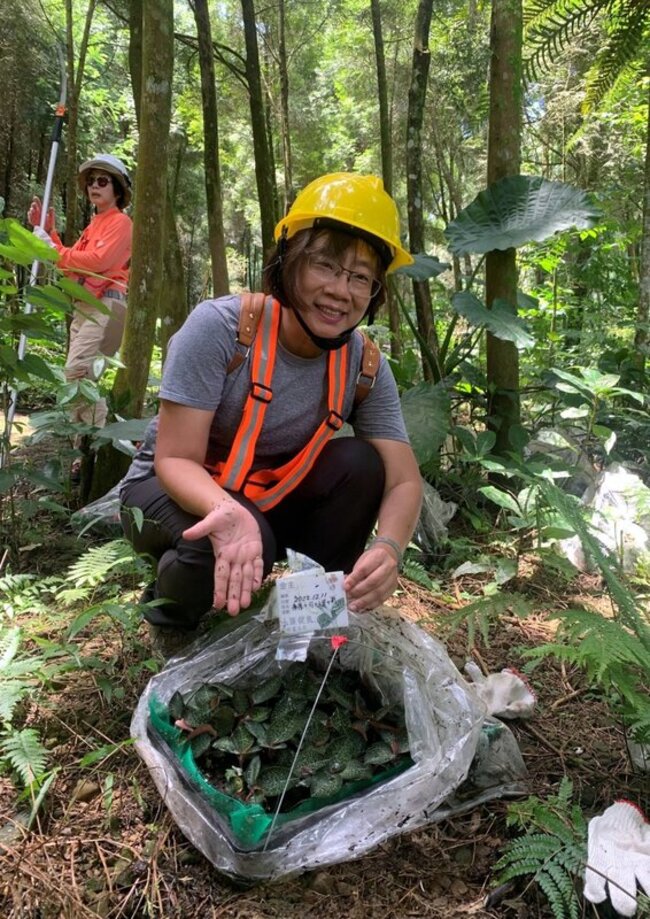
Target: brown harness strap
{"x":249,"y":319}
{"x":250,"y":313}
{"x":369,"y":367}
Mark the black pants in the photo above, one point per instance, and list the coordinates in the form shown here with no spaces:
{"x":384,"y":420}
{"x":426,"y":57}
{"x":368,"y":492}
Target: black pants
{"x":328,"y":517}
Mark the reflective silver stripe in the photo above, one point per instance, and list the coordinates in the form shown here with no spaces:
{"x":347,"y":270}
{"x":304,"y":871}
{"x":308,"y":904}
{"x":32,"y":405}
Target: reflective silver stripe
{"x":254,"y":410}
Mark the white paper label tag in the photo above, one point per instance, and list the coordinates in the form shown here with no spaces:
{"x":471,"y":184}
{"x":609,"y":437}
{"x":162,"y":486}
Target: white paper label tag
{"x":309,"y":602}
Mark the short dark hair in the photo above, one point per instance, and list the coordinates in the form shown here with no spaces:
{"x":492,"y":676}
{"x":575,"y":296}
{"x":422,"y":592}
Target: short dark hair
{"x":283,"y":263}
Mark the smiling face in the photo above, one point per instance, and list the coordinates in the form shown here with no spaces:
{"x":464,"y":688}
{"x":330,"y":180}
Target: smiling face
{"x":100,"y":189}
{"x":331,"y":285}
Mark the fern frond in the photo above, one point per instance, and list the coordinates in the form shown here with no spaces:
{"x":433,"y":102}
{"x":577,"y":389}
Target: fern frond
{"x":629,"y":34}
{"x":621,"y":595}
{"x":557,"y":886}
{"x":526,"y":855}
{"x":25,"y":593}
{"x":9,"y":643}
{"x":553,"y":858}
{"x":98,"y":562}
{"x":550,"y":25}
{"x":484,"y":612}
{"x":71,"y":595}
{"x":11,"y":693}
{"x":25,"y":753}
{"x":416,"y":572}
{"x":612,"y":666}
{"x":558,"y":826}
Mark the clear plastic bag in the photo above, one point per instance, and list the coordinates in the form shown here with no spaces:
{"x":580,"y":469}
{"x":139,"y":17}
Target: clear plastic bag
{"x":435,"y":514}
{"x":104,"y":513}
{"x":444,"y":719}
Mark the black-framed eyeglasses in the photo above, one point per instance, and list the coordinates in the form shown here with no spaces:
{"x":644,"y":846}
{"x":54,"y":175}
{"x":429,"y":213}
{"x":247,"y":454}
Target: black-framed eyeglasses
{"x":361,"y":284}
{"x":102,"y":181}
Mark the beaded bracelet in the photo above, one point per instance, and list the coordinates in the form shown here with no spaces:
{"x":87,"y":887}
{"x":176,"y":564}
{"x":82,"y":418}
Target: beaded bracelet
{"x":393,"y":545}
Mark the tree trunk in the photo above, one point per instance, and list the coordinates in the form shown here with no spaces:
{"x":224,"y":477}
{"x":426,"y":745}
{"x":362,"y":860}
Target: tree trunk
{"x":174,"y":300}
{"x":174,"y":297}
{"x":9,"y":162}
{"x":417,"y":97}
{"x":75,"y":80}
{"x":151,"y":62}
{"x":217,"y":242}
{"x":268,"y":112}
{"x":149,"y":215}
{"x":504,"y":146}
{"x":385,"y":136}
{"x":284,"y":108}
{"x":641,"y":336}
{"x":135,"y":53}
{"x":263,"y":167}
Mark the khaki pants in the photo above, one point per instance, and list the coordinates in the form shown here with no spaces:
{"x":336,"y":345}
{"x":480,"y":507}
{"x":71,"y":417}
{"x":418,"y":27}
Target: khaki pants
{"x":92,"y":335}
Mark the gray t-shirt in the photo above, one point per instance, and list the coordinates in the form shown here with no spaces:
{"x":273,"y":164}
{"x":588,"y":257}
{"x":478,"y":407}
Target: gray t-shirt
{"x":195,"y":375}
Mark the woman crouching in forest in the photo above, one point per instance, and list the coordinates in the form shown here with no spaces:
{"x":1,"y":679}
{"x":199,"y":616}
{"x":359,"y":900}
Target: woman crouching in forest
{"x":241,"y":462}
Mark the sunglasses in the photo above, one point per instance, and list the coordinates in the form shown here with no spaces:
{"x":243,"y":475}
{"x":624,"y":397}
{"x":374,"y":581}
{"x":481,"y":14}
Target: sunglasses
{"x":102,"y":181}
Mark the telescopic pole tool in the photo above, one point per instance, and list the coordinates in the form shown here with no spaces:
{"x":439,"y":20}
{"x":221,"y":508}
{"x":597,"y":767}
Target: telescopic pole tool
{"x":47,"y":193}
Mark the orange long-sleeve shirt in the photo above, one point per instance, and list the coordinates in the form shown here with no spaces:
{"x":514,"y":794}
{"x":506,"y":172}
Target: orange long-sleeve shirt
{"x":104,"y":248}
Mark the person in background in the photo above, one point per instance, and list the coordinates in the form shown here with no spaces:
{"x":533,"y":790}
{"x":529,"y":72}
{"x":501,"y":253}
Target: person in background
{"x":100,"y":261}
{"x":226,"y":486}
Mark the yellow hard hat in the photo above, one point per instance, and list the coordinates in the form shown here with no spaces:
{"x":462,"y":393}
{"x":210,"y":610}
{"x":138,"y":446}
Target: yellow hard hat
{"x":357,"y":201}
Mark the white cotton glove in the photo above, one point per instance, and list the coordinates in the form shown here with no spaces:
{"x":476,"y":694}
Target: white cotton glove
{"x":43,"y":236}
{"x":618,"y":856}
{"x":506,"y":694}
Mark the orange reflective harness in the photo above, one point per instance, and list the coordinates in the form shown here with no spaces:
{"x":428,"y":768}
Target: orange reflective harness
{"x":260,"y":324}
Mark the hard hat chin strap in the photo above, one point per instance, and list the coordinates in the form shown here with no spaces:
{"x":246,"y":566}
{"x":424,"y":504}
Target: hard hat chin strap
{"x":325,"y":344}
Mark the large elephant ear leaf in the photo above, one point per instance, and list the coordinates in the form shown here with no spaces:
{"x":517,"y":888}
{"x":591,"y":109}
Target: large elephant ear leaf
{"x":426,"y":409}
{"x":424,"y":267}
{"x":518,"y":210}
{"x":500,"y":320}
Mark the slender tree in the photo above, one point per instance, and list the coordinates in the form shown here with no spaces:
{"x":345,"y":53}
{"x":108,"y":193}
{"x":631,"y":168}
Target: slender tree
{"x":216,"y":236}
{"x":76,"y":69}
{"x":641,"y":337}
{"x":386,"y":141}
{"x":173,"y":309}
{"x":151,"y":64}
{"x":264,"y":173}
{"x":284,"y":106}
{"x":504,"y":145}
{"x":149,"y":215}
{"x":417,"y":98}
{"x":173,"y":306}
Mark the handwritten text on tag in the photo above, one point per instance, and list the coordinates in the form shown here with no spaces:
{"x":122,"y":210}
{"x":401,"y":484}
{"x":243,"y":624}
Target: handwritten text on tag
{"x":309,"y":602}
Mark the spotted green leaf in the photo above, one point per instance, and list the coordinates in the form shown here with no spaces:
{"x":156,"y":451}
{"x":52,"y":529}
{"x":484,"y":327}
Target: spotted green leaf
{"x":324,"y":784}
{"x":267,"y":690}
{"x":272,"y":780}
{"x":282,"y":729}
{"x":378,"y":754}
{"x":252,"y":771}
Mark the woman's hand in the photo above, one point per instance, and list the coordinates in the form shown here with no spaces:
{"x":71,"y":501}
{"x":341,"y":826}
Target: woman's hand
{"x":35,"y":213}
{"x":372,"y":580}
{"x":237,"y":544}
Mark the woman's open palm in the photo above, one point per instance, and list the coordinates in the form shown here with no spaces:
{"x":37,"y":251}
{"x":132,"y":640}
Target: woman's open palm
{"x":237,"y":544}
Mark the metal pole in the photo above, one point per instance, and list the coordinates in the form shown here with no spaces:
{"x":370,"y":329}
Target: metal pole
{"x":47,"y":193}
